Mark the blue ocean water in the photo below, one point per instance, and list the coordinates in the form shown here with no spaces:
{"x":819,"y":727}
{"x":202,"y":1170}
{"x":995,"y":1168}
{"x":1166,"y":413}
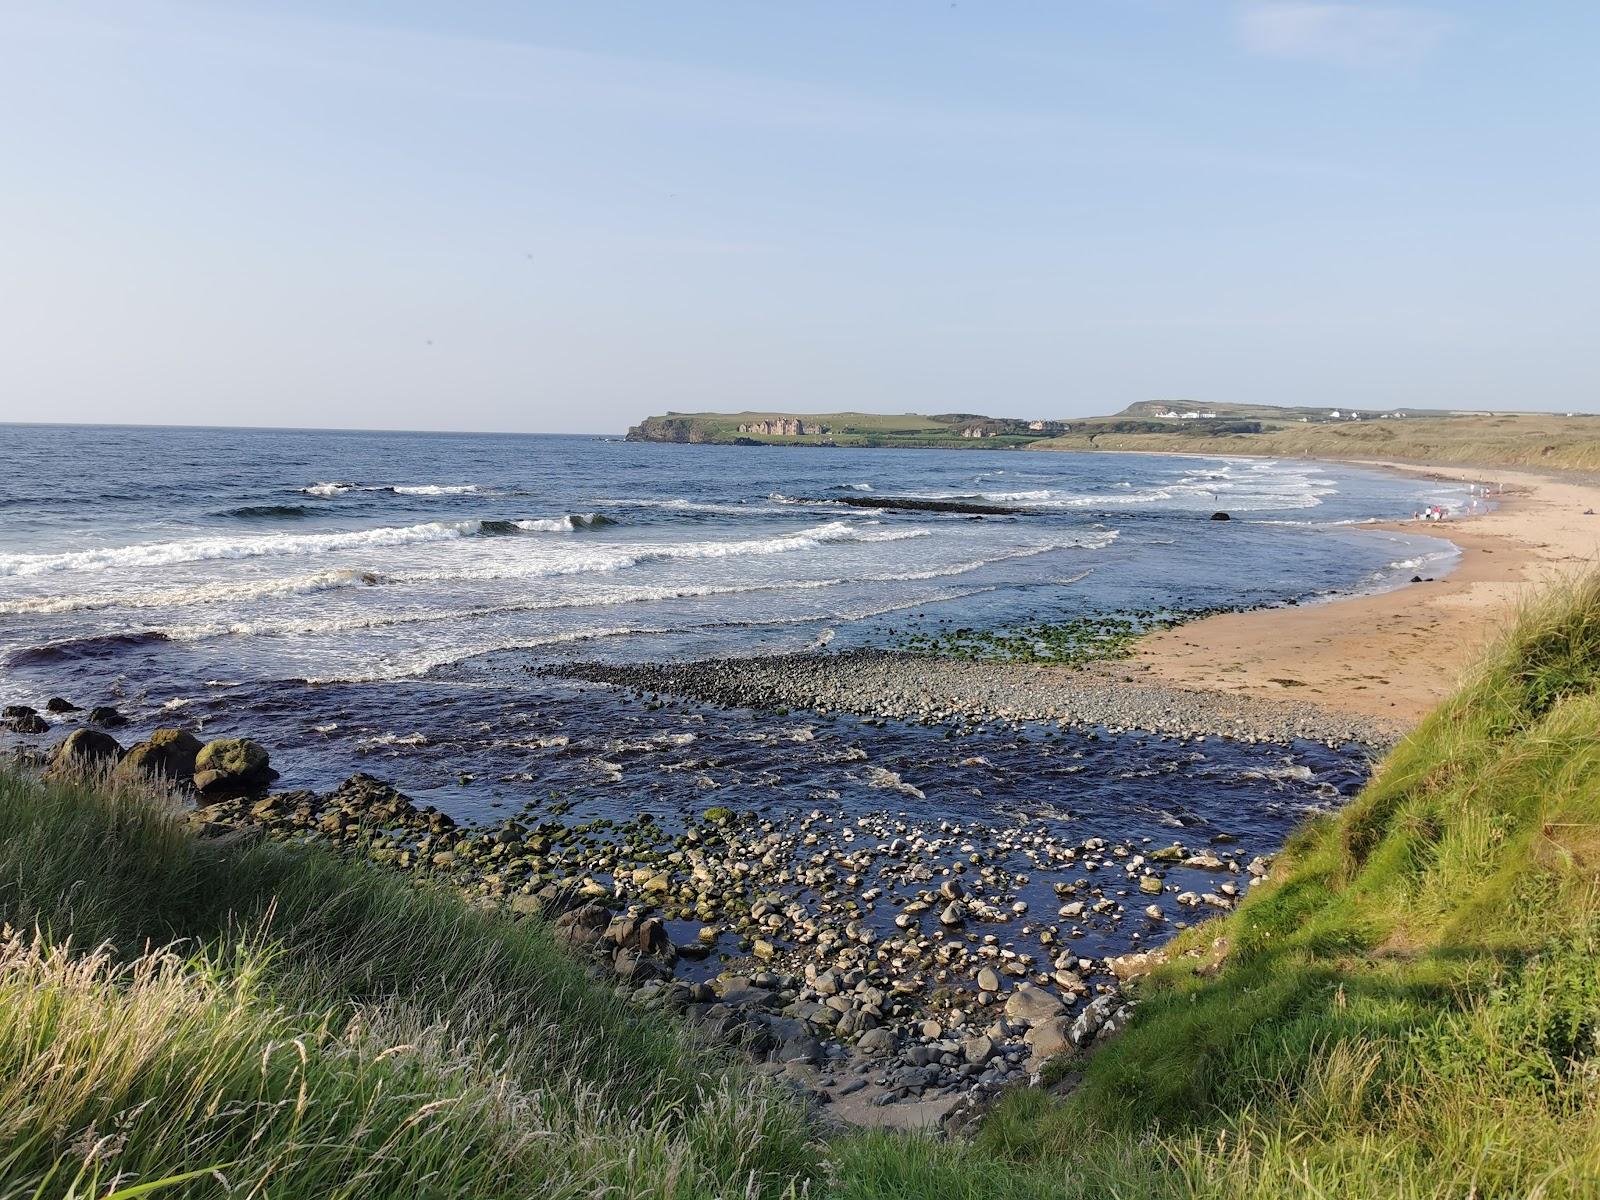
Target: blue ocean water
{"x":372,"y":601}
{"x":328,"y":592}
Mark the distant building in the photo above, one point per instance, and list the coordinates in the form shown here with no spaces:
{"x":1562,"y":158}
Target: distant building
{"x":783,"y":427}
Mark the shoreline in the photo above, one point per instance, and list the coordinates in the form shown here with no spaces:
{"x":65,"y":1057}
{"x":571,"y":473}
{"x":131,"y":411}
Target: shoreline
{"x":1357,"y":668}
{"x":1113,"y":695}
{"x":1390,"y":657}
{"x":895,"y":1013}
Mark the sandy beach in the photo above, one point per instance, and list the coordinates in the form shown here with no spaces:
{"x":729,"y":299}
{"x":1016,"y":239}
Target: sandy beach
{"x":1391,"y":657}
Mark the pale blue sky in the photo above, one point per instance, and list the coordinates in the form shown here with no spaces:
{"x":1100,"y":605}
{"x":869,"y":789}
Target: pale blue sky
{"x":479,"y":215}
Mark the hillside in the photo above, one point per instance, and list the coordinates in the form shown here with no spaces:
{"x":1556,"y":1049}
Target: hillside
{"x":237,"y":1017}
{"x":1477,"y":439}
{"x":1410,"y":1006}
{"x":968,"y":430}
{"x":1545,"y":440}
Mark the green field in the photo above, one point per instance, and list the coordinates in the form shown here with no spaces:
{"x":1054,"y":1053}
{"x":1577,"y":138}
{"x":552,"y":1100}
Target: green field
{"x":1540,"y":440}
{"x":1408,"y":1007}
{"x":842,"y":429}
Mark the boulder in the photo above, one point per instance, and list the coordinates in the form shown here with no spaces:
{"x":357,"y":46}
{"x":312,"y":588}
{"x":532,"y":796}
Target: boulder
{"x":583,"y":927}
{"x":1132,"y":965}
{"x":1092,"y":1018}
{"x":84,"y":748}
{"x":168,"y":754}
{"x":59,"y":704}
{"x":107,"y":716}
{"x":798,"y":1047}
{"x":1050,"y":1037}
{"x":633,"y":967}
{"x":29,"y":722}
{"x":647,"y":935}
{"x":232,"y":765}
{"x":369,"y":798}
{"x":879,"y":1042}
{"x":1029,"y":1003}
{"x":1220,"y":516}
{"x":12,"y":711}
{"x":978,"y":1050}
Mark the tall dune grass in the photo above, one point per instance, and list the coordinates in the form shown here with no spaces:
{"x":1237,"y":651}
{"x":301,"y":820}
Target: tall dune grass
{"x":290,"y":1025}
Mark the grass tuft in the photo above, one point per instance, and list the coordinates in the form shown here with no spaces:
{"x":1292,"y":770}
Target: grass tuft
{"x":291,"y":1025}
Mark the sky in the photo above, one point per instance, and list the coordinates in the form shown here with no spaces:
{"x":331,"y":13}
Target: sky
{"x":512,"y":215}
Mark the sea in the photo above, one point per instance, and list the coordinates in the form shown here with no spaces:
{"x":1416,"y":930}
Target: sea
{"x":382,"y":602}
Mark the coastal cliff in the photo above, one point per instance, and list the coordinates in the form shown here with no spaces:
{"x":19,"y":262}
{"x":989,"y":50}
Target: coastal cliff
{"x":967,"y":430}
{"x":1554,"y":441}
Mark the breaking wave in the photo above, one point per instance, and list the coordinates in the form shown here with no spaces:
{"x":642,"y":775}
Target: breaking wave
{"x":207,"y":593}
{"x":329,"y":490}
{"x":156,"y":554}
{"x":97,"y":646}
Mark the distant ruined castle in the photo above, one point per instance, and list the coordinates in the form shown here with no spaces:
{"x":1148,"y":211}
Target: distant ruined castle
{"x":784,"y":427}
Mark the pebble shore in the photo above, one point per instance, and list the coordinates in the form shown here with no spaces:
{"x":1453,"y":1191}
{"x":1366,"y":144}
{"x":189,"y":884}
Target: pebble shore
{"x":898,"y":686}
{"x":887,"y":967}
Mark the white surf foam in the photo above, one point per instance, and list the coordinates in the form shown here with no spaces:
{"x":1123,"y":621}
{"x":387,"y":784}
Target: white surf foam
{"x":208,"y":593}
{"x":159,"y":554}
{"x":562,"y":524}
{"x":331,"y":489}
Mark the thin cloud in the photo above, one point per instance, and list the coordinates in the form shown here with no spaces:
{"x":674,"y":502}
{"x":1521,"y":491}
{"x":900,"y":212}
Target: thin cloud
{"x":1346,"y":34}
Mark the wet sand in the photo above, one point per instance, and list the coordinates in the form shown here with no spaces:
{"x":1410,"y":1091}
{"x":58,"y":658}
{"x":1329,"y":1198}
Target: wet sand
{"x":1392,"y":657}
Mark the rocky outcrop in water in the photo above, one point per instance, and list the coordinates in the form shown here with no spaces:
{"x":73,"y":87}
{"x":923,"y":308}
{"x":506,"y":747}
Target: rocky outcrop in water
{"x":84,"y":749}
{"x":232,"y":766}
{"x":167,"y":754}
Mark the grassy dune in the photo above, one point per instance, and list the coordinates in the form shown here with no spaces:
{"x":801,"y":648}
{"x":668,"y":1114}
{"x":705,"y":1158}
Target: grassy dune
{"x":1509,"y":440}
{"x":1542,"y":440}
{"x":1410,"y":1007}
{"x":296,"y":1026}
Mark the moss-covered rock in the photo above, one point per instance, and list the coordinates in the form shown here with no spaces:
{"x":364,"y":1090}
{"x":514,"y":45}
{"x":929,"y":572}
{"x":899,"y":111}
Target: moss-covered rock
{"x":169,"y":753}
{"x":84,"y":748}
{"x":232,"y":765}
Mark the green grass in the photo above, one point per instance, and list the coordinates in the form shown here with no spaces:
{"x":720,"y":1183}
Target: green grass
{"x":1410,"y":1007}
{"x":1545,"y":441}
{"x":1548,"y":441}
{"x":309,"y":1027}
{"x":844,"y":429}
